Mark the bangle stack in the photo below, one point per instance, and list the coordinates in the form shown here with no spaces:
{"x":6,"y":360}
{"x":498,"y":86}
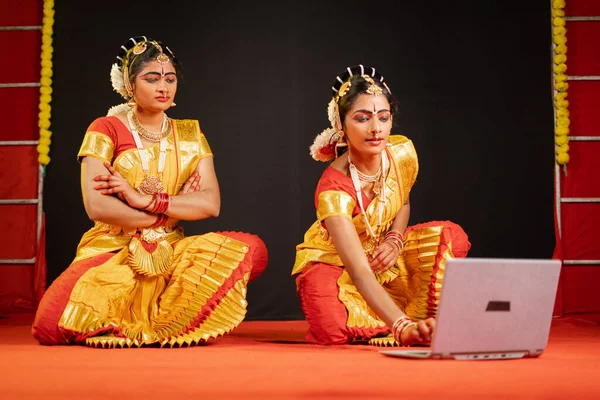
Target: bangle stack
{"x":396,"y":238}
{"x":399,"y":326}
{"x":161,"y":219}
{"x":159,"y":204}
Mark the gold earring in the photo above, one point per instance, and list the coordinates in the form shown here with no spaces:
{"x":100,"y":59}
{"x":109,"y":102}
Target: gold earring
{"x":129,"y":89}
{"x":339,"y":144}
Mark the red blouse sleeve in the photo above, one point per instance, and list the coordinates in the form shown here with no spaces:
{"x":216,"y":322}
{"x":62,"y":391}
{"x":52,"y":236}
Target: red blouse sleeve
{"x":105,"y":139}
{"x":335,"y":195}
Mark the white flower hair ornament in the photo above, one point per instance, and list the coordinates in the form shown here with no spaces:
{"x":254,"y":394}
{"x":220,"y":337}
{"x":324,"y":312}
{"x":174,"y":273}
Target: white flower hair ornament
{"x":323,"y":147}
{"x":116,"y":78}
{"x":118,"y":109}
{"x":332,"y":111}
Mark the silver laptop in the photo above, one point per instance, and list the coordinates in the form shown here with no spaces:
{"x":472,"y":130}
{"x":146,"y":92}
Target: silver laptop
{"x":492,"y":309}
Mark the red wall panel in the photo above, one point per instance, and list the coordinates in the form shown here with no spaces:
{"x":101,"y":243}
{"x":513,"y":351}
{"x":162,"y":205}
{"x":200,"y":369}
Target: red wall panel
{"x":583,"y":107}
{"x":21,"y":12}
{"x":19,"y":174}
{"x":580,"y":233}
{"x":583,"y":57}
{"x":24,"y":48}
{"x":580,"y":289}
{"x":579,"y":8}
{"x":583,"y":171}
{"x":18,"y":233}
{"x":580,"y":221}
{"x":16,"y":288}
{"x":19,"y":113}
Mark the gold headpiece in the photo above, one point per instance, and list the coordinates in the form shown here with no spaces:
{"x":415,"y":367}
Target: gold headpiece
{"x":162,"y":58}
{"x":344,"y":89}
{"x":141,"y":47}
{"x":373,"y":89}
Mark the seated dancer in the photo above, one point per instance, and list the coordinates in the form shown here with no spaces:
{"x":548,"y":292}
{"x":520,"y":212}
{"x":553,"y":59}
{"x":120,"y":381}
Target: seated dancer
{"x":361,"y":272}
{"x":136,"y":280}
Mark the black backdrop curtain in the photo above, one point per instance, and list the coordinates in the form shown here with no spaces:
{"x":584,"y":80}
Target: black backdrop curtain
{"x":472,"y":79}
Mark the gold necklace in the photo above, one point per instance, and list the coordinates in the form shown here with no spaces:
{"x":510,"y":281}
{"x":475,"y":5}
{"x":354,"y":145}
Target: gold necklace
{"x":151,"y":136}
{"x":374,"y":234}
{"x":150,"y":184}
{"x":369,"y":178}
{"x":375,"y":179}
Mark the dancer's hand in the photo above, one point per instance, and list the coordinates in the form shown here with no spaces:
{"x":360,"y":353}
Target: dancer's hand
{"x":384,"y":257}
{"x":421,"y":333}
{"x":115,"y":184}
{"x":192,"y":184}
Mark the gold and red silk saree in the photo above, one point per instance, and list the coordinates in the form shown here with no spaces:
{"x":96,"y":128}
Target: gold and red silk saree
{"x":152,"y":286}
{"x":335,"y":310}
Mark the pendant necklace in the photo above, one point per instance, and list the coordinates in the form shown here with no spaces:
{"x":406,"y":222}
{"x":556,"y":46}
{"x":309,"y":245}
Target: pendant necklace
{"x":355,"y":175}
{"x":151,"y":184}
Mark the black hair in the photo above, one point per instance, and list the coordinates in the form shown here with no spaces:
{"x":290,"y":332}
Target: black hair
{"x":359,"y":85}
{"x":135,"y":63}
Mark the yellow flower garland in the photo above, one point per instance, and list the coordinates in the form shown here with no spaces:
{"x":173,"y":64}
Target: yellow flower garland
{"x":43,"y":147}
{"x":561,"y":128}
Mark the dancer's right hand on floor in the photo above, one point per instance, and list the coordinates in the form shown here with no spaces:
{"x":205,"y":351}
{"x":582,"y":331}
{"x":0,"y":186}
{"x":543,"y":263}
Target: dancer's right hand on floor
{"x":421,"y":333}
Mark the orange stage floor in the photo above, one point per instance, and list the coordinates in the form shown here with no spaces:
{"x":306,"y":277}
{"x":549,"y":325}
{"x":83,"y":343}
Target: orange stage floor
{"x":271,"y":360}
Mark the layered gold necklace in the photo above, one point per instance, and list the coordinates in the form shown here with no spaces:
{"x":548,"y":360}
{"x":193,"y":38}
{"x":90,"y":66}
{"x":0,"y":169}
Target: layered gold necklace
{"x":151,"y":183}
{"x":375,"y":179}
{"x":373,"y":234}
{"x":152,"y":136}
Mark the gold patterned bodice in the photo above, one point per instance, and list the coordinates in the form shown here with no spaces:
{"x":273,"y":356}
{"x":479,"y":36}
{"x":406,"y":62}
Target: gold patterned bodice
{"x":185,"y":148}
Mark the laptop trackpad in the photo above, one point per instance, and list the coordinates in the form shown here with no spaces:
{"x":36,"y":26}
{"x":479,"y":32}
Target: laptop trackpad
{"x":406,"y":353}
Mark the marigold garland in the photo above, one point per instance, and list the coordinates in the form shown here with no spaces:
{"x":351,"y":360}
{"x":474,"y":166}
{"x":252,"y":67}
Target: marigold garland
{"x":43,"y":147}
{"x":562,"y":122}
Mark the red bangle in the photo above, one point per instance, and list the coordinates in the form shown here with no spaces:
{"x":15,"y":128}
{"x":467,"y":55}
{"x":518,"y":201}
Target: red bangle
{"x":160,"y":220}
{"x":399,"y":245}
{"x":396,"y":238}
{"x":163,"y":201}
{"x":395,"y":234}
{"x":399,"y":326}
{"x":152,"y":200}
